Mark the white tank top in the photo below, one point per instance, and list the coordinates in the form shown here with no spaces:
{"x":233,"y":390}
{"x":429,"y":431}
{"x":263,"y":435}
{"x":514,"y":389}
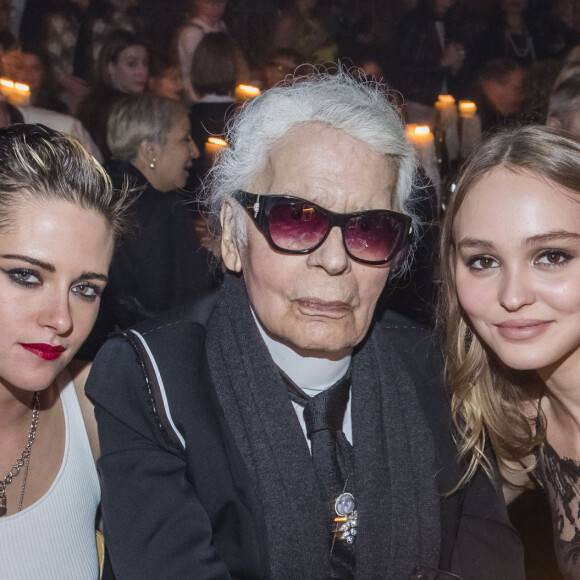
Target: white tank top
{"x":54,"y":539}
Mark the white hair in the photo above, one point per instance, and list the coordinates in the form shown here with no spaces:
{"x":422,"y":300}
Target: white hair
{"x":359,"y":108}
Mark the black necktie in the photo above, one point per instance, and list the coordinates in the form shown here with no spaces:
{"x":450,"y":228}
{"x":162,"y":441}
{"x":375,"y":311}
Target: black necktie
{"x":332,"y":454}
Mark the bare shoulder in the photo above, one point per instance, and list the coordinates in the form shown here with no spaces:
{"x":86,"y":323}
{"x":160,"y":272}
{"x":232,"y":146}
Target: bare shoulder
{"x":79,"y":371}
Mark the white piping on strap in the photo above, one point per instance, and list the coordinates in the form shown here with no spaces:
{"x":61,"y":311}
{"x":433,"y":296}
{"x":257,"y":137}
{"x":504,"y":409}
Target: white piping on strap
{"x":161,"y":386}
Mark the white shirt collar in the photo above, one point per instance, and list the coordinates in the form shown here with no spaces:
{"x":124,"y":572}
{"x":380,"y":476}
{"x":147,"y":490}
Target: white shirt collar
{"x":311,"y":374}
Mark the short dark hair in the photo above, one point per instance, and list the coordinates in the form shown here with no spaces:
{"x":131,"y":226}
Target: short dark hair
{"x":214,"y":67}
{"x":498,"y":69}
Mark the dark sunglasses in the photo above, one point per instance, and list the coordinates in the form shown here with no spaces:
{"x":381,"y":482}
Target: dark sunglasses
{"x":293,"y":225}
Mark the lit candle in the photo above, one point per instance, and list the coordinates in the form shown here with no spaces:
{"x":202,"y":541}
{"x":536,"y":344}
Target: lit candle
{"x":445,"y":106}
{"x":447,"y":112}
{"x":212,"y":146}
{"x":420,"y":135}
{"x":423,"y":140}
{"x":467,"y":109}
{"x":245,"y":92}
{"x":15,"y":93}
{"x":470,"y":127}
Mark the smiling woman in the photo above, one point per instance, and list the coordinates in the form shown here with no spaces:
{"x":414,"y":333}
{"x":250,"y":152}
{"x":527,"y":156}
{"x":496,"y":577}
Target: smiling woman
{"x":511,"y":267}
{"x":58,"y":222}
{"x":161,"y":265}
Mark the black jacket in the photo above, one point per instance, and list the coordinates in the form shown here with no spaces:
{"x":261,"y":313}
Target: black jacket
{"x":171,"y":512}
{"x":158,"y":266}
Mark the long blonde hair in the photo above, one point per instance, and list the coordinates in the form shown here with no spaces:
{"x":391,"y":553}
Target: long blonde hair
{"x":489,"y":399}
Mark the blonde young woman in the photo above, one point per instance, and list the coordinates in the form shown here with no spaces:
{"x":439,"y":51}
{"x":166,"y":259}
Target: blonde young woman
{"x":59,"y":219}
{"x":511,"y":270}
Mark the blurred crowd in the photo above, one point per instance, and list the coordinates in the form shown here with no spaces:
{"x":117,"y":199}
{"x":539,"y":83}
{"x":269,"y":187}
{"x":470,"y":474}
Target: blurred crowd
{"x":80,"y":56}
{"x":145,"y":84}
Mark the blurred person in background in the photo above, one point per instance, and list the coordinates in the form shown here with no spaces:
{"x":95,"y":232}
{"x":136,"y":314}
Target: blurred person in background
{"x":37,"y":73}
{"x":10,"y":56}
{"x":205,"y":16}
{"x":103,"y":17}
{"x":429,"y":59}
{"x":501,"y":93}
{"x":163,"y":265}
{"x":297,"y":27}
{"x":215,"y":76}
{"x":123,"y":69}
{"x":281,"y":63}
{"x":564,"y":107}
{"x":60,"y":34}
{"x":165,"y":78}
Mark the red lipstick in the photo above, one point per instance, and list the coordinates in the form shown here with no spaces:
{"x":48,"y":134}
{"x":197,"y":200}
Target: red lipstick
{"x":44,"y":351}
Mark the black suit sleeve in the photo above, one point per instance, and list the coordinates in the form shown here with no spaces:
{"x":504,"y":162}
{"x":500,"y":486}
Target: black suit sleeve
{"x":155,"y":526}
{"x":478,"y":540}
{"x":487,"y":546}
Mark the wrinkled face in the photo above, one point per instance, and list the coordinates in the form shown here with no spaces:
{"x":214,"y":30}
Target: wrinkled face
{"x":54,"y":259}
{"x":32,"y":70}
{"x":169,"y":84}
{"x":129,"y":73}
{"x":174,"y":158}
{"x":517,"y":269}
{"x":322,"y":302}
{"x":210,"y":11}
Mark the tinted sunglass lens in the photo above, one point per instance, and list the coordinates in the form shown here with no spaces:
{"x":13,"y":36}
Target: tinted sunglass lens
{"x":373,"y":237}
{"x":296,"y":226}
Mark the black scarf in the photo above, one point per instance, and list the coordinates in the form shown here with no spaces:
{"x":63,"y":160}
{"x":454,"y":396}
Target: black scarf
{"x":394,"y":480}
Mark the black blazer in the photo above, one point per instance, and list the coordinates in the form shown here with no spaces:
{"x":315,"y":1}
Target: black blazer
{"x":158,"y":266}
{"x":192,"y":513}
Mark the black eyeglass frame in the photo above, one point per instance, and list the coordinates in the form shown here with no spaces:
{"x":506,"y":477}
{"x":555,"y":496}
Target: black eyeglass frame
{"x":258,"y":207}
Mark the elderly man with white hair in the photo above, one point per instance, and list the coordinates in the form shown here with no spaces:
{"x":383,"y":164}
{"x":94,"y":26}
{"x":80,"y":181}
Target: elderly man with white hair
{"x":272,"y":431}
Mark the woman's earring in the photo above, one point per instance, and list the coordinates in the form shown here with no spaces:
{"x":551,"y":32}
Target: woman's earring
{"x":152,"y":164}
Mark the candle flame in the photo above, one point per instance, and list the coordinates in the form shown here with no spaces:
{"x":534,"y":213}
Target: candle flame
{"x":422,"y":130}
{"x":447,"y":99}
{"x":245,"y":92}
{"x":467,"y":106}
{"x":250,"y":89}
{"x":217,"y":141}
{"x":12,"y":85}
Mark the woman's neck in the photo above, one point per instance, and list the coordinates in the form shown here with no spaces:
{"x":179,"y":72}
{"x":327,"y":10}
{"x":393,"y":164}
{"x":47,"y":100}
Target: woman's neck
{"x":143,"y":166}
{"x":15,"y":406}
{"x":561,"y":407}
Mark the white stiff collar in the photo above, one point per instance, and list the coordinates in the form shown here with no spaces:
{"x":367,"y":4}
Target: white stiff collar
{"x":311,"y":374}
